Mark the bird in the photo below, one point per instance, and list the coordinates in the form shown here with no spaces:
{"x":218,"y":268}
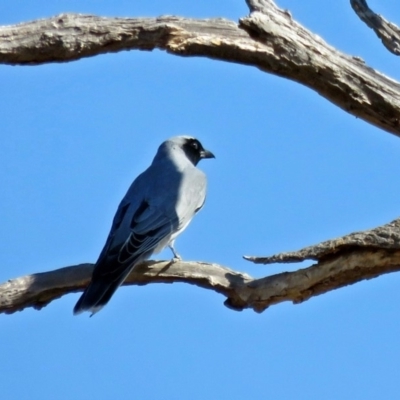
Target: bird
{"x":157,"y":207}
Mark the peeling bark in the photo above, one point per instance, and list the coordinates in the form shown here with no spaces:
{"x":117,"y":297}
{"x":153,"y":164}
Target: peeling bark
{"x":269,"y":40}
{"x":388,"y":32}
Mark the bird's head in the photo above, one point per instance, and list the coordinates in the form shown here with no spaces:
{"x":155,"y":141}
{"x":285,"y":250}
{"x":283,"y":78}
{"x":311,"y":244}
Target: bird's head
{"x":192,"y":148}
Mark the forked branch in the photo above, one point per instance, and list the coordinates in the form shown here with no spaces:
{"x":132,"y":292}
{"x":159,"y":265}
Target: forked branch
{"x":340,"y":262}
{"x":268,"y":39}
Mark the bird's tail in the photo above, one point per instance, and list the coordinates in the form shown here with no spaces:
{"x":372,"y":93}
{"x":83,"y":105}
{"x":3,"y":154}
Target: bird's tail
{"x":100,"y":291}
{"x":95,"y":297}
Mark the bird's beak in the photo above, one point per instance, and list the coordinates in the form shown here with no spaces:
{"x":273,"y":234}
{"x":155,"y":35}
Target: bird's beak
{"x":206,"y":154}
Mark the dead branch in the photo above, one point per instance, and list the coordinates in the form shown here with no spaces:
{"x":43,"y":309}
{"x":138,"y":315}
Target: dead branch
{"x":386,"y":237}
{"x":341,"y":262}
{"x":269,"y":40}
{"x":388,"y":32}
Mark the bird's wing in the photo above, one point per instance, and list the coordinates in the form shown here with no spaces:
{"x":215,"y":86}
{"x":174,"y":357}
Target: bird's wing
{"x":133,"y":237}
{"x":149,"y":226}
{"x":135,"y":233}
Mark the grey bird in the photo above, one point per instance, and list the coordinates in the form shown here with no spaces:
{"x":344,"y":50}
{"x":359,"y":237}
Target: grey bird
{"x":157,"y":207}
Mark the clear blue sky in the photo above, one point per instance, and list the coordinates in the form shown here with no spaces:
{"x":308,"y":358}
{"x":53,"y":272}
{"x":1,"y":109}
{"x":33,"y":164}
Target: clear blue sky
{"x":291,"y":170}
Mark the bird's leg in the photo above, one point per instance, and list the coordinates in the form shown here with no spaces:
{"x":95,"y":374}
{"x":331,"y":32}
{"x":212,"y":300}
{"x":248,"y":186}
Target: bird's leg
{"x":177,"y":257}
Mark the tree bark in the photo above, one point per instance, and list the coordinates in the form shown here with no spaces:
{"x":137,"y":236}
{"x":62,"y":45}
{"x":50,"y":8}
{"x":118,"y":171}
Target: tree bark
{"x":268,"y":39}
{"x":388,"y":32}
{"x":340,"y":262}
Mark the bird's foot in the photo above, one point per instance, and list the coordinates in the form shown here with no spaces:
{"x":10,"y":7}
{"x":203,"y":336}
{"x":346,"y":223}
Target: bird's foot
{"x":176,"y":257}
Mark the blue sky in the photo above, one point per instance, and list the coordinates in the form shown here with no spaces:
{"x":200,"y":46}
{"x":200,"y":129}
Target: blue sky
{"x":291,"y":170}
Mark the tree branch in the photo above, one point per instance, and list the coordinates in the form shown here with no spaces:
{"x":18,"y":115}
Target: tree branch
{"x":297,"y":54}
{"x":40,"y":289}
{"x":385,"y":237}
{"x":269,"y":40}
{"x":341,"y":262}
{"x":388,"y":32}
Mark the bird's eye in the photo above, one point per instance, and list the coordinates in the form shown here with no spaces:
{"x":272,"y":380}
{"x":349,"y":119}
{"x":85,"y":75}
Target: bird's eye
{"x":195,"y":145}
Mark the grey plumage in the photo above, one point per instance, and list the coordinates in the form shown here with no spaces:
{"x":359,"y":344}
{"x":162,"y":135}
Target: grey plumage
{"x":157,"y":207}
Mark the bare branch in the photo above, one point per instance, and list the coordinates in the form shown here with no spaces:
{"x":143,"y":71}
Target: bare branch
{"x":341,"y":262}
{"x":69,"y":37}
{"x":40,"y":289}
{"x":260,"y":5}
{"x":388,"y":32}
{"x":269,"y":40}
{"x":328,"y":274}
{"x":297,"y":54}
{"x":385,"y":237}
